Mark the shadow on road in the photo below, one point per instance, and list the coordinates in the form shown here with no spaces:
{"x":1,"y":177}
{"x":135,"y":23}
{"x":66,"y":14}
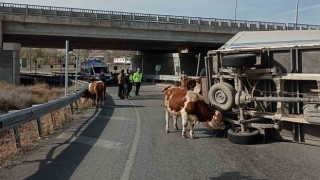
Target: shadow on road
{"x":213,"y":133}
{"x":63,"y":165}
{"x":233,"y":175}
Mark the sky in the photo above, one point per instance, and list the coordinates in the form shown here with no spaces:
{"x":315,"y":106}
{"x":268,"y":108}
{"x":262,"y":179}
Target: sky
{"x":282,"y":11}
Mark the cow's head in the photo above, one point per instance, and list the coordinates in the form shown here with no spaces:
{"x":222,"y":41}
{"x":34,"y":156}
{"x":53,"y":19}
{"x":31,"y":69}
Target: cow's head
{"x":216,"y":122}
{"x":87,"y":94}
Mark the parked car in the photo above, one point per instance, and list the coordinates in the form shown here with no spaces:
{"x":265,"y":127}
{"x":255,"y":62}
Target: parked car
{"x":91,"y":70}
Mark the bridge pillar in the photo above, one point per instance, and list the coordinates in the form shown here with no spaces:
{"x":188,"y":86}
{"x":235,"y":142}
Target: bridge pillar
{"x":170,"y":63}
{"x":10,"y":63}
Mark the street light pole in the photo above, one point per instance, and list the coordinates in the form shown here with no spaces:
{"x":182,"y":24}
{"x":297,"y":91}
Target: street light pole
{"x":66,"y":75}
{"x":76,"y":78}
{"x":235,"y":10}
{"x":297,"y":14}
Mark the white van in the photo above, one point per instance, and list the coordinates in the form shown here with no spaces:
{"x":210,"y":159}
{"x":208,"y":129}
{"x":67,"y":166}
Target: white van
{"x":91,"y":70}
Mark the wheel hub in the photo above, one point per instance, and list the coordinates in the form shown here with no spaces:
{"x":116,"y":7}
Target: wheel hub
{"x":221,"y":97}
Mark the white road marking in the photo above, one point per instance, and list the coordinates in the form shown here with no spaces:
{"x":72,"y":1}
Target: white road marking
{"x":120,"y":118}
{"x":113,"y":118}
{"x":127,"y":170}
{"x":92,"y":141}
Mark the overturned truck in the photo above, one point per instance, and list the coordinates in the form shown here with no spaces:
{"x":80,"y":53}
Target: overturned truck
{"x":267,"y":83}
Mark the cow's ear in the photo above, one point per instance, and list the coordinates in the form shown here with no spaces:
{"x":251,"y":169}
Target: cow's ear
{"x":166,"y":88}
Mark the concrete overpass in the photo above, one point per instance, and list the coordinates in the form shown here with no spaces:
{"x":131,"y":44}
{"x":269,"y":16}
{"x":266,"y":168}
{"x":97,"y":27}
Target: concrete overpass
{"x":44,"y":26}
{"x":50,"y":27}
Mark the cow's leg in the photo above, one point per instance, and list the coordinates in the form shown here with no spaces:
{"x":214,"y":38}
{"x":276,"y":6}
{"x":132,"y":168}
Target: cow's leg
{"x":175,"y":126}
{"x":191,"y":131}
{"x":102,"y":102}
{"x":97,"y":99}
{"x":93,"y":102}
{"x":184,"y":118}
{"x":167,"y":120}
{"x":105,"y":90}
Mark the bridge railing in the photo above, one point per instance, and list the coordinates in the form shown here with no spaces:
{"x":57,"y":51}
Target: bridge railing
{"x":36,"y":10}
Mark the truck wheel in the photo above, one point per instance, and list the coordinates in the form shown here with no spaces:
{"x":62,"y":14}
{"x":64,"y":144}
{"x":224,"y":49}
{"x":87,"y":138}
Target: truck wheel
{"x":222,"y":96}
{"x":251,"y":137}
{"x":238,"y":60}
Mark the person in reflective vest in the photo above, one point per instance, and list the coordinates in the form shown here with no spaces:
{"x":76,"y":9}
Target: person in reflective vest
{"x":137,"y":77}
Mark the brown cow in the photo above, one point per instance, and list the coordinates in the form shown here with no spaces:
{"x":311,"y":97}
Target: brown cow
{"x":104,"y":89}
{"x":192,"y":108}
{"x":96,"y":92}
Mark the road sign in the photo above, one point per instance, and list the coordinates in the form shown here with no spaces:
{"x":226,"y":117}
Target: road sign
{"x":158,"y":67}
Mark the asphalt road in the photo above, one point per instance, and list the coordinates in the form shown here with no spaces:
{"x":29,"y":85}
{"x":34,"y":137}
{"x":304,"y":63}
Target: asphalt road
{"x":127,"y":140}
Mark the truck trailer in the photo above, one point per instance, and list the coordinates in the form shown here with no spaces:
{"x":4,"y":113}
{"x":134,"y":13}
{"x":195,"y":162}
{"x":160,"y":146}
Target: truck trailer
{"x":267,"y":82}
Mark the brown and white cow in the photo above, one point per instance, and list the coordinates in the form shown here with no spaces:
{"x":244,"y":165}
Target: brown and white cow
{"x":96,"y":92}
{"x":192,"y":84}
{"x":192,"y":108}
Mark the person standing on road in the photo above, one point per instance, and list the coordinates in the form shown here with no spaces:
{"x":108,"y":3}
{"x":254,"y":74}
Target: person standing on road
{"x":183,"y":77}
{"x":137,"y":77}
{"x":121,"y":85}
{"x":128,"y":82}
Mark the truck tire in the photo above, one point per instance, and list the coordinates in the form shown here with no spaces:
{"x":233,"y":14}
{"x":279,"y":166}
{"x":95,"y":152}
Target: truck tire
{"x":238,"y":60}
{"x":222,"y":96}
{"x":251,"y":137}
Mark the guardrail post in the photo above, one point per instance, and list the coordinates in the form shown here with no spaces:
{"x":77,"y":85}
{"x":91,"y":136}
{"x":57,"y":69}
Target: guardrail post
{"x":40,"y":132}
{"x":53,"y":122}
{"x":72,"y":110}
{"x":77,"y":105}
{"x":17,"y":136}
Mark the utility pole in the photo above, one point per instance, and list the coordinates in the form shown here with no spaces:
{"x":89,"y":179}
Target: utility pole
{"x":66,"y":75}
{"x":235,"y":10}
{"x":297,"y":14}
{"x":76,"y":78}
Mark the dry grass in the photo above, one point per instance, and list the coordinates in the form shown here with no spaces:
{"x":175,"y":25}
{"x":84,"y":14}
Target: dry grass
{"x":18,"y":97}
{"x":13,"y":97}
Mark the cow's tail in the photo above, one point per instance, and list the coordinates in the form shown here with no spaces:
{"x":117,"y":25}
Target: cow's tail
{"x":166,"y":88}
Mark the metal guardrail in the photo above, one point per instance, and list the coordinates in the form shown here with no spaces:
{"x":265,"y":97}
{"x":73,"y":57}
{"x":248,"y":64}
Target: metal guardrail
{"x":165,"y":78}
{"x":37,"y":10}
{"x":17,"y":117}
{"x":162,"y":77}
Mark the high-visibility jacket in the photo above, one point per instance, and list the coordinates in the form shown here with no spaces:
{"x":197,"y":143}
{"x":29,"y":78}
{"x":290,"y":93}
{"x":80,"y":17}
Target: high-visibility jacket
{"x":131,"y":78}
{"x":137,"y":77}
